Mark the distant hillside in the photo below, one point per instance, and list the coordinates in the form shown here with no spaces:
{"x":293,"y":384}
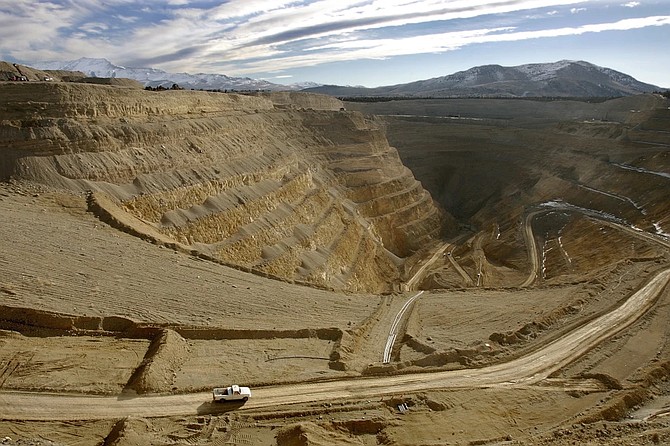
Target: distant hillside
{"x":561,"y":79}
{"x":152,"y":77}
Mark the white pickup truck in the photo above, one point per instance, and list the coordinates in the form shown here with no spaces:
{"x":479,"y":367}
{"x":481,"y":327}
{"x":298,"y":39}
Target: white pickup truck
{"x":231,"y":393}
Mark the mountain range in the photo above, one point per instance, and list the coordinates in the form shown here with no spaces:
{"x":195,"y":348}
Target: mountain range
{"x":564,"y":78}
{"x":153,"y":77}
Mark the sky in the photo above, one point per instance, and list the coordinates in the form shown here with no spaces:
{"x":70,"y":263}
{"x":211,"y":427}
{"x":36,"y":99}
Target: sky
{"x":344,"y":42}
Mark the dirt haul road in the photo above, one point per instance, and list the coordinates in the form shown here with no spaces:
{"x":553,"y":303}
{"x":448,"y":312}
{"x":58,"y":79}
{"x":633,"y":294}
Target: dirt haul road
{"x":532,"y":249}
{"x":523,"y":371}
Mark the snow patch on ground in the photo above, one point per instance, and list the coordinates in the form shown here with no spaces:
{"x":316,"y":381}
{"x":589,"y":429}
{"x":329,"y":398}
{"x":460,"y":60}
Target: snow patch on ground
{"x":618,"y":197}
{"x":560,"y":204}
{"x":659,"y":230}
{"x":640,"y":169}
{"x":560,"y":243}
{"x":544,"y":260}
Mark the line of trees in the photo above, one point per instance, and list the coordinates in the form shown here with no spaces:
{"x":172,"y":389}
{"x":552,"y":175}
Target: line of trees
{"x":161,"y":88}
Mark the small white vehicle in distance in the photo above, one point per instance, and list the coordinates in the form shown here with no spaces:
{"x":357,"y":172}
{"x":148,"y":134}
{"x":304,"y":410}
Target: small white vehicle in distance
{"x":231,"y":393}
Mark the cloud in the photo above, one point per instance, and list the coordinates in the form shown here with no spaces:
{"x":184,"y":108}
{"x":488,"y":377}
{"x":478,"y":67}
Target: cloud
{"x":279,"y":31}
{"x":152,"y":30}
{"x":434,"y":43}
{"x":631,"y":4}
{"x":27,"y":24}
{"x":94,"y":27}
{"x":127,"y":19}
{"x":327,"y":17}
{"x":252,"y":36}
{"x":245,"y":8}
{"x":151,"y":61}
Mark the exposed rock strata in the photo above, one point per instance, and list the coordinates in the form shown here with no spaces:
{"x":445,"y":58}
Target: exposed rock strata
{"x":313,"y":195}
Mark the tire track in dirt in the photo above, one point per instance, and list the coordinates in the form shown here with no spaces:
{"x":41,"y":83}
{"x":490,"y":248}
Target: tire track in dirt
{"x":11,"y":366}
{"x":524,"y":371}
{"x":369,"y":339}
{"x":398,"y":322}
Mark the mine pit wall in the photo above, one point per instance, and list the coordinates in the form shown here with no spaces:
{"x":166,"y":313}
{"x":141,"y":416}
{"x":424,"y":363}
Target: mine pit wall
{"x":22,"y":101}
{"x":189,"y":163}
{"x":297,"y":100}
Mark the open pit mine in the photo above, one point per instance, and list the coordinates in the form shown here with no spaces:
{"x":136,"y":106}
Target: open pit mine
{"x":410,"y":272}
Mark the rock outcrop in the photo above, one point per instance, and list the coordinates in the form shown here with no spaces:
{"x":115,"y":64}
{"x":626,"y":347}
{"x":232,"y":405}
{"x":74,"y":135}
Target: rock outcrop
{"x":286,"y":185}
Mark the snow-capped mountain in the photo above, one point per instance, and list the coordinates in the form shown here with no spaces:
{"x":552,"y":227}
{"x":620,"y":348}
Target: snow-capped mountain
{"x":564,"y":78}
{"x":153,"y":77}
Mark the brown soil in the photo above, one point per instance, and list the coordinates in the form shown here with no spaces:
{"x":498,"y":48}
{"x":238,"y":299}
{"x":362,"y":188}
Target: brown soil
{"x":165,"y":243}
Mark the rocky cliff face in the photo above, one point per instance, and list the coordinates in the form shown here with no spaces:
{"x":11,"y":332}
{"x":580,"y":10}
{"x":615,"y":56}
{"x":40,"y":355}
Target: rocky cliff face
{"x":290,"y":186}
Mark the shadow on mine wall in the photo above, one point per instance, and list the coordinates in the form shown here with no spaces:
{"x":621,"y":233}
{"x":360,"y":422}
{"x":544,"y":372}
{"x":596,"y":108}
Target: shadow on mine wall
{"x":8,"y":163}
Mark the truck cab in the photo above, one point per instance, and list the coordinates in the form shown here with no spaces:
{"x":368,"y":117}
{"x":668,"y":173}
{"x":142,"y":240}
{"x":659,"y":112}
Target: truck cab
{"x":231,"y":393}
